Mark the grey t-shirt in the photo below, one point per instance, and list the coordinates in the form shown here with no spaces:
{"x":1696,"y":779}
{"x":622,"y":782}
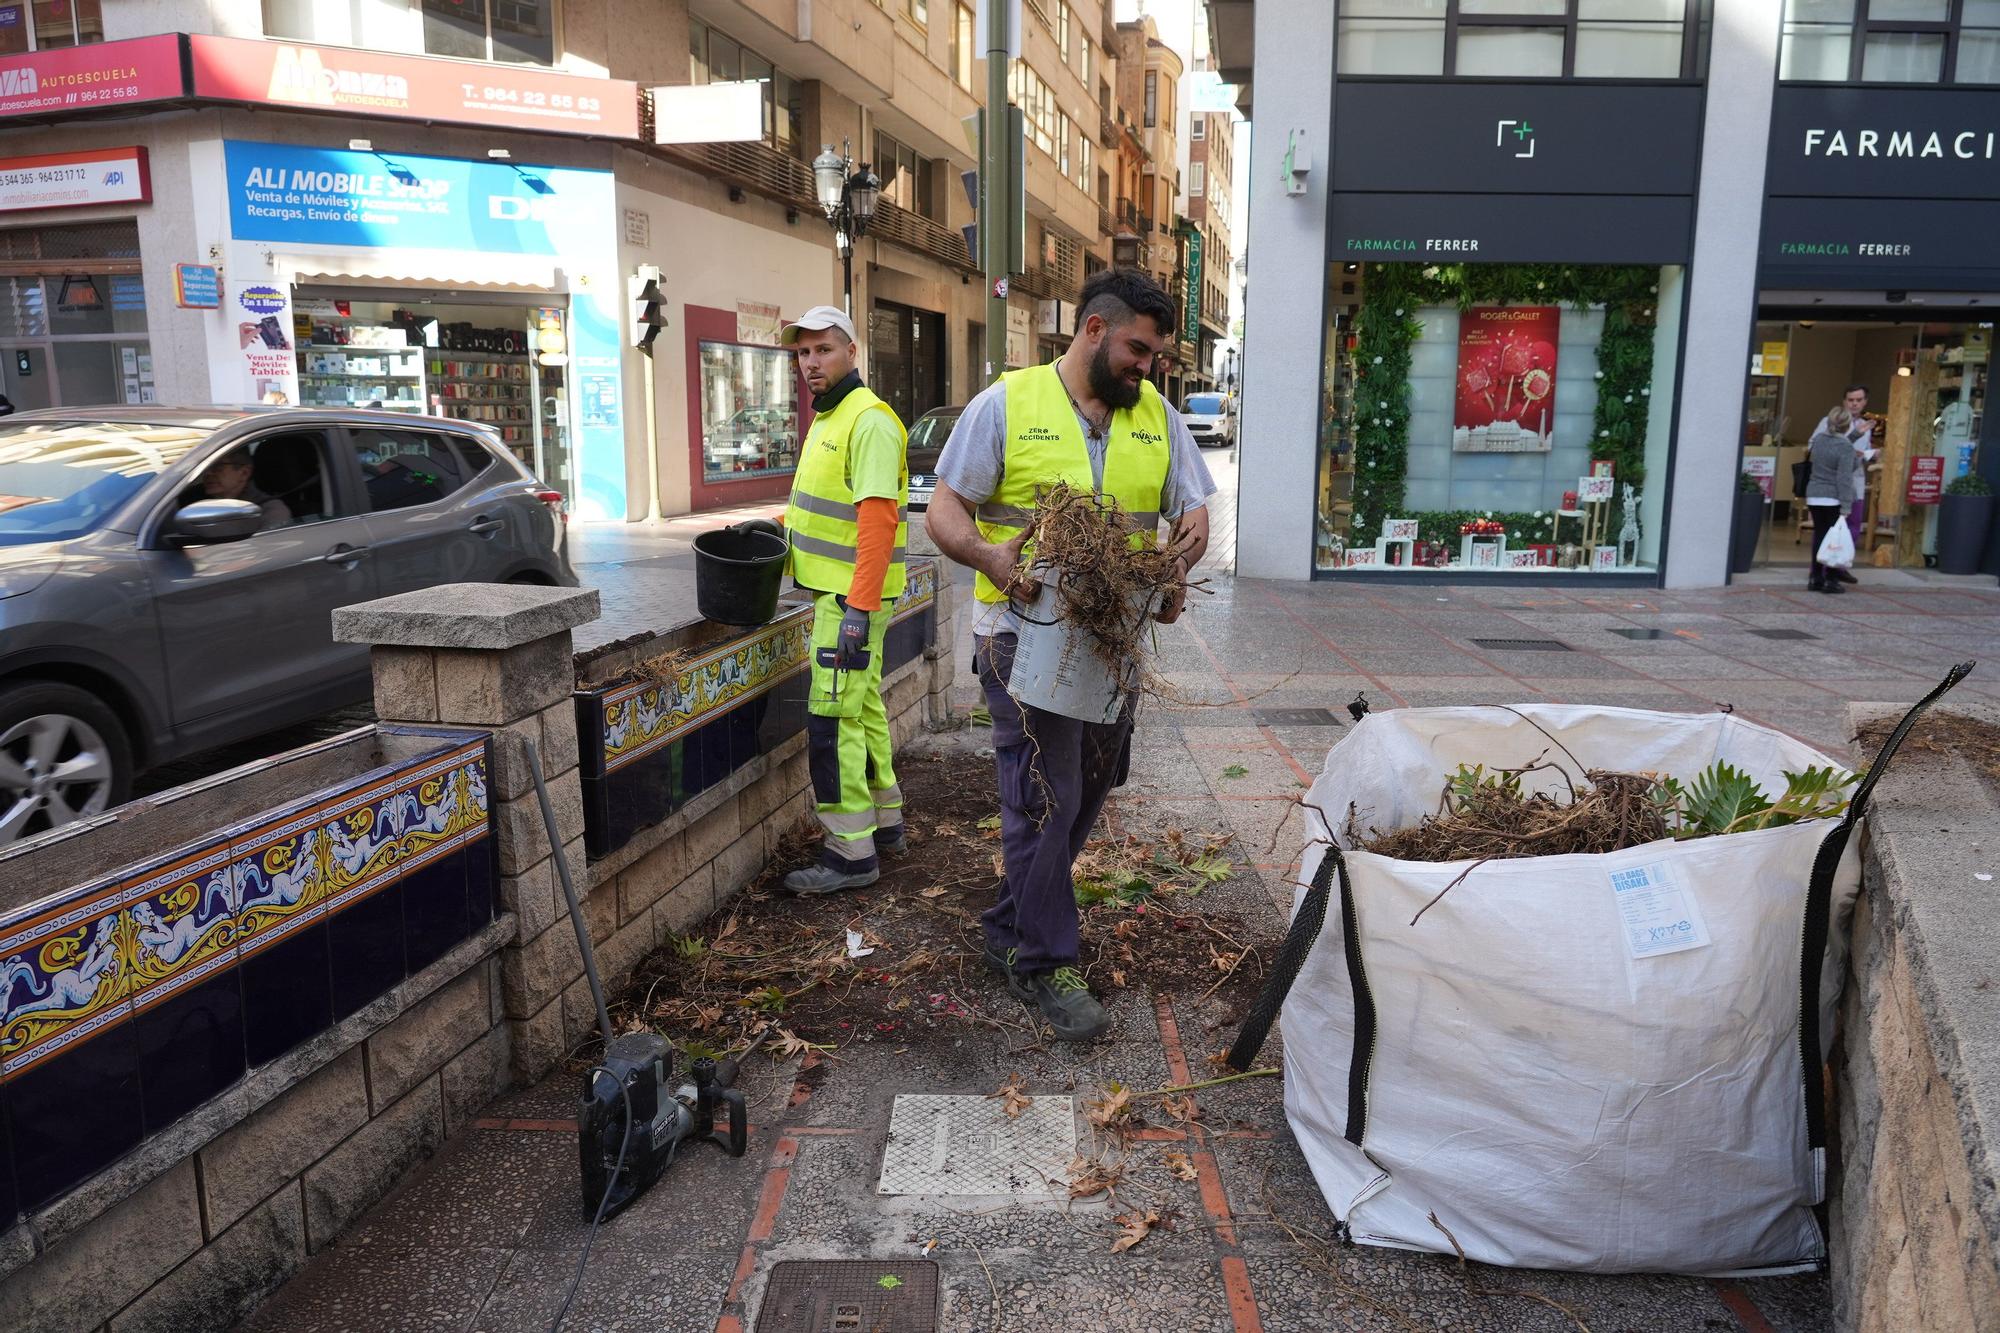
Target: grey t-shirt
{"x":974,"y":457}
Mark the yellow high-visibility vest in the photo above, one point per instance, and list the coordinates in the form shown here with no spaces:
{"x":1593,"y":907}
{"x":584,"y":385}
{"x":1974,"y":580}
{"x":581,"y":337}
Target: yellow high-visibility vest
{"x":821,"y":515}
{"x":1045,"y":445}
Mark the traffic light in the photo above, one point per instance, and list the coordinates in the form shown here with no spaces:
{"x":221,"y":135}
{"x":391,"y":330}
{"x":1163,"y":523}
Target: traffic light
{"x":651,"y":318}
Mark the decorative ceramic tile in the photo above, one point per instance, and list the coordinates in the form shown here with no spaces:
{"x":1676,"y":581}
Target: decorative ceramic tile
{"x":65,"y":973}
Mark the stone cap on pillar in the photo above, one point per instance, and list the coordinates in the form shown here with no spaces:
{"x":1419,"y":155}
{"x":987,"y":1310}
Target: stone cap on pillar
{"x":467,"y":615}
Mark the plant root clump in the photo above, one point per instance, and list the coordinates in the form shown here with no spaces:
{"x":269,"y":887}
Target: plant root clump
{"x":1105,"y":587}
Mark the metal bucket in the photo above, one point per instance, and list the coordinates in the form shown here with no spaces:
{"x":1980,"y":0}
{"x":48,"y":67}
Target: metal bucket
{"x":1058,"y":670}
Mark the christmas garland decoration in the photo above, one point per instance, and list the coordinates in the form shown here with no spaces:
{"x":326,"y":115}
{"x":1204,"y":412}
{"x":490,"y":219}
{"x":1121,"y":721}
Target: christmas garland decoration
{"x":1386,"y":334}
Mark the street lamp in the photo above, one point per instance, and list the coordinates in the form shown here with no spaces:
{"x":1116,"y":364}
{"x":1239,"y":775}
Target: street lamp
{"x":848,"y":195}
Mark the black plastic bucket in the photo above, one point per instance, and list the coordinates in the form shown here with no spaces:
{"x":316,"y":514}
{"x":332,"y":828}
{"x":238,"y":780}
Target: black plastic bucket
{"x":737,"y":573}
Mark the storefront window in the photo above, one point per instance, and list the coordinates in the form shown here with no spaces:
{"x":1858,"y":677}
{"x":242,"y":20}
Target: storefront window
{"x":749,"y":412}
{"x":72,"y":333}
{"x":1490,"y":418}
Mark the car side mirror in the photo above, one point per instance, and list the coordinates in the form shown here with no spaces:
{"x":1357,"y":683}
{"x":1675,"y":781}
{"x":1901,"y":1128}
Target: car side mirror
{"x":209,"y":522}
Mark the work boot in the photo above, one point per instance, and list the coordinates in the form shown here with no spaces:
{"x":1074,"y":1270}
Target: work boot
{"x":891,"y":841}
{"x":1002,"y":961}
{"x":832,"y":874}
{"x":1067,"y":1004}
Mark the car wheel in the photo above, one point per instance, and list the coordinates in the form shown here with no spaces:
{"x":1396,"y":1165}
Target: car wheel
{"x":63,"y":756}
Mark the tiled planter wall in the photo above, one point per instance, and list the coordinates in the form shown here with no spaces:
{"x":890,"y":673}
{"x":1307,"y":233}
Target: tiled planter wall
{"x":649,"y":749}
{"x":135,"y":998}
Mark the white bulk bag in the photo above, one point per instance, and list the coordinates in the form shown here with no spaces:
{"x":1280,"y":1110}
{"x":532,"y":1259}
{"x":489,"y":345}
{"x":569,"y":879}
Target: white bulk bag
{"x":1557,"y":1092}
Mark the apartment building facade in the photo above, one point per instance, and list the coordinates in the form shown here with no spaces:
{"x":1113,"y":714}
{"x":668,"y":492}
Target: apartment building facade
{"x":445,"y":207}
{"x":1209,"y":254}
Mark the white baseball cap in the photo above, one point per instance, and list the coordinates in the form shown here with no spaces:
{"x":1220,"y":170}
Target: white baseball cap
{"x":816,"y":320}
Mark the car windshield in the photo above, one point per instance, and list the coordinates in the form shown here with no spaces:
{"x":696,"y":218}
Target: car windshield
{"x":927,"y":439}
{"x":61,"y":479}
{"x":1203,"y":405}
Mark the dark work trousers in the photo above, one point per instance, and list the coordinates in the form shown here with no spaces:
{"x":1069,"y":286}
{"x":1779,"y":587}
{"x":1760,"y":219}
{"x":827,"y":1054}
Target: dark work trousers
{"x":1823,"y":519}
{"x":1055,"y":773}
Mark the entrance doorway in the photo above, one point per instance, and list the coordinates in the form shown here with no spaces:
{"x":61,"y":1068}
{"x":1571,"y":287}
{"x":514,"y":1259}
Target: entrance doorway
{"x":1925,"y":374}
{"x":906,"y":358}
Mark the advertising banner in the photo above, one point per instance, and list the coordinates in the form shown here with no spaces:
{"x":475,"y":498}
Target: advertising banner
{"x":336,"y":78}
{"x":1926,"y":484}
{"x":82,"y":78}
{"x":1506,"y":379}
{"x":75,"y":180}
{"x":197,"y":287}
{"x":267,"y":361}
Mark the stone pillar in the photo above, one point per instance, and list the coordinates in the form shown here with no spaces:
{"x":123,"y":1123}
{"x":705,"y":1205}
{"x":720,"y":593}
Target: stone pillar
{"x":499,"y":657}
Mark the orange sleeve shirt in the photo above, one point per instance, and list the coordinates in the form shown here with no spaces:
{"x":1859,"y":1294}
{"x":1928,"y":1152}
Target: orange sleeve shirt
{"x":874,"y":542}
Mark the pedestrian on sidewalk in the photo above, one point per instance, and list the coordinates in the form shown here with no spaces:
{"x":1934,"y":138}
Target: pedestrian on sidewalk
{"x":1860,"y":433}
{"x":846,"y":519}
{"x":1092,"y":418}
{"x":1829,"y":490}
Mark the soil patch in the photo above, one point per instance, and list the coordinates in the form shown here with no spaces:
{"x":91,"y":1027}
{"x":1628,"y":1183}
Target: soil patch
{"x":899,"y":961}
{"x":1943,"y":734}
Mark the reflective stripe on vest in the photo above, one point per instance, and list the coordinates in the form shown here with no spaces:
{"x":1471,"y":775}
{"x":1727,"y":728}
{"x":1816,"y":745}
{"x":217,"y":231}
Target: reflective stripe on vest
{"x":822,"y":515}
{"x":1135,"y":460}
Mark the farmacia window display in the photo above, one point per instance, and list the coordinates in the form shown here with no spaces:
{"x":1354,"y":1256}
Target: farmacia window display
{"x":1486,"y":418}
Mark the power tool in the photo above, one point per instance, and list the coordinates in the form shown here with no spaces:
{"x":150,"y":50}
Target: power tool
{"x":629,"y":1125}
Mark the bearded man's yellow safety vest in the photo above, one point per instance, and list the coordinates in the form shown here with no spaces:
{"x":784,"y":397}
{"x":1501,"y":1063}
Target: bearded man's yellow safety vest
{"x":822,"y":511}
{"x":1045,"y":445}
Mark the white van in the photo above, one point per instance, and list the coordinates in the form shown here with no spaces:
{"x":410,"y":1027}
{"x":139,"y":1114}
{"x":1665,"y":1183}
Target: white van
{"x":1211,"y":418}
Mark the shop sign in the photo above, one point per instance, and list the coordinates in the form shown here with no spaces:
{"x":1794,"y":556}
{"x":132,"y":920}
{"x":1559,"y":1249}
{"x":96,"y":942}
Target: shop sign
{"x":1485,"y":137}
{"x":1857,"y":242}
{"x":1511,"y":229}
{"x":75,"y":180}
{"x":1764,"y":468}
{"x":85,"y":78}
{"x":708,"y":113}
{"x":1855,"y":142}
{"x":370,"y":83}
{"x":1506,"y":379}
{"x":759,"y":324}
{"x":262,"y":314}
{"x":197,"y":287}
{"x":1926,"y":484}
{"x":1191,"y":297}
{"x":1771,"y":361}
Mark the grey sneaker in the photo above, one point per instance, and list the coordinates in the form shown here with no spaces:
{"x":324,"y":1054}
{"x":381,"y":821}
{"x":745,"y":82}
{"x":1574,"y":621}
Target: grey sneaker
{"x":827,"y":877}
{"x":1067,"y":1004}
{"x":1002,"y":961}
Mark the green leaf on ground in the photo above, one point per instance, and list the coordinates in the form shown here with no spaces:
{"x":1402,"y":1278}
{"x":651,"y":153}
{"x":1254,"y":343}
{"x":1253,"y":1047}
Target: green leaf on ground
{"x":981,"y":718}
{"x":1236,"y":771}
{"x":888,"y":1282}
{"x":990,"y":822}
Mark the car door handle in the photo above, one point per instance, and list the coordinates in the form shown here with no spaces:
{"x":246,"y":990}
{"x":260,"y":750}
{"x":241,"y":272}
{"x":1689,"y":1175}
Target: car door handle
{"x":345,"y":556}
{"x":485,"y":524}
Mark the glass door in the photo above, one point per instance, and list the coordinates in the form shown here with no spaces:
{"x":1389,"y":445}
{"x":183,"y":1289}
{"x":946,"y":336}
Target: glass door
{"x":26,"y":375}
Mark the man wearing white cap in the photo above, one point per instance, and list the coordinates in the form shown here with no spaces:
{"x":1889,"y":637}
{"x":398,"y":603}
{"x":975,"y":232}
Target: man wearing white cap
{"x":846,"y":519}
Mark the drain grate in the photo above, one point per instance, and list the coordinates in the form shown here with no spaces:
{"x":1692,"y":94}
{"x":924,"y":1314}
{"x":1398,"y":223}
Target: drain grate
{"x":1295,"y":717}
{"x":850,"y":1296}
{"x":967,"y":1145}
{"x":1785,"y":634}
{"x":1523,"y":645}
{"x":1642,"y":633}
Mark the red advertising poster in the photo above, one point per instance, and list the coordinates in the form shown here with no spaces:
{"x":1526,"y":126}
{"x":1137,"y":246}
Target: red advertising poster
{"x":70,"y":79}
{"x":337,"y":78}
{"x":1926,"y":485}
{"x":1506,"y":379}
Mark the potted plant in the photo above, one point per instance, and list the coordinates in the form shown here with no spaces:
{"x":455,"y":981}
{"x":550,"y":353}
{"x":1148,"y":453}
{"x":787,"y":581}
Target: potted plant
{"x":1749,"y":528}
{"x":1964,"y":516}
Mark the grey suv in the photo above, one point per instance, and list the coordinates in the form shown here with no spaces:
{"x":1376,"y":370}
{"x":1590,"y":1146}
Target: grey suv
{"x":168,"y":575}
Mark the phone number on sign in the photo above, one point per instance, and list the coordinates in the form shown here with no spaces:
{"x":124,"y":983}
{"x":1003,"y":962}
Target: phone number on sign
{"x":118,"y":93}
{"x":519,"y":97}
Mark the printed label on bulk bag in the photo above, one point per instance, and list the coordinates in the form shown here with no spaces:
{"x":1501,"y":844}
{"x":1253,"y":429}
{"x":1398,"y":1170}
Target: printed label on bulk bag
{"x":1659,"y":915}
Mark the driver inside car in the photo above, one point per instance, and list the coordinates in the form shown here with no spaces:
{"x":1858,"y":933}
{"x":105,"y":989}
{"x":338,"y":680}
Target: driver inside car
{"x":228,"y":478}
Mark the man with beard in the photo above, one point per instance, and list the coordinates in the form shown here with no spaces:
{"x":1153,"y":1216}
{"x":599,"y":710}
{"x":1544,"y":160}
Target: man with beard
{"x":847,"y":535}
{"x":1094,"y":419}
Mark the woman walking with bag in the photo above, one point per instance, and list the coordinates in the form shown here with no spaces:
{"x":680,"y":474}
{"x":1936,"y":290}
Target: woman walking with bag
{"x":1829,"y":491}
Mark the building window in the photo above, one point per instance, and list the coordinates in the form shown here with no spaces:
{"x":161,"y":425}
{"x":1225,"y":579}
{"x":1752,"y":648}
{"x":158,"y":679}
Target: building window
{"x":920,"y":10}
{"x":44,"y":25}
{"x":1197,"y":128}
{"x":1152,"y":98}
{"x":1038,"y":105}
{"x":749,"y":412}
{"x":714,"y":57}
{"x":1582,"y":39}
{"x":1062,"y":22}
{"x":964,"y":48}
{"x":1197,"y":178}
{"x":1891,"y":41}
{"x":1084,"y":55}
{"x":906,"y":177}
{"x":520,"y":31}
{"x":514,"y":31}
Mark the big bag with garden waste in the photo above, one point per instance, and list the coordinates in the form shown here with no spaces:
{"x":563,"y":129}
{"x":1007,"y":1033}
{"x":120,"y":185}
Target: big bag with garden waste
{"x":1608,"y":1063}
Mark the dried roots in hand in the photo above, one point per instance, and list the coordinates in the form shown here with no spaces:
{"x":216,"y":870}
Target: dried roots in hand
{"x":1105,"y":587}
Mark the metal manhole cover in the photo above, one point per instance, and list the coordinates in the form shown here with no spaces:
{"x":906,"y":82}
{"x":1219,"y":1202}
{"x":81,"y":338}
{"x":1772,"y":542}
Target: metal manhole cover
{"x":1295,"y":717}
{"x":1523,"y":645}
{"x":1643,"y":633}
{"x":850,"y":1296}
{"x":967,"y":1145}
{"x":1784,"y":634}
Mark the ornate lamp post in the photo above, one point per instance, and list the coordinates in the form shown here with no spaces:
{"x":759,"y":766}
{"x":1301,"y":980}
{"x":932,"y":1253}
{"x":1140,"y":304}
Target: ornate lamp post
{"x":848,"y":195}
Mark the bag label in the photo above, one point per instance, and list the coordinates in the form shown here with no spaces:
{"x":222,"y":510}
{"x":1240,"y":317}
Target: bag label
{"x":1659,"y":915}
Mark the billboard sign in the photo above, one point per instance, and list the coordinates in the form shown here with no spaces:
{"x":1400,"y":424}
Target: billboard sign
{"x":72,"y":79}
{"x":75,"y":180}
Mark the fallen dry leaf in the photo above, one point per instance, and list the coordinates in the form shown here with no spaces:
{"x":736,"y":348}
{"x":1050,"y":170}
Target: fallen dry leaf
{"x":1133,"y":1227}
{"x":1223,"y":961}
{"x":999,"y":865}
{"x":934,"y":891}
{"x":1126,"y":929}
{"x":1013,"y":1097}
{"x":1118,"y":977}
{"x":1089,"y":1178}
{"x":1180,"y":1166}
{"x":1181,"y":1108}
{"x":1112,"y":1108}
{"x":790,"y":1043}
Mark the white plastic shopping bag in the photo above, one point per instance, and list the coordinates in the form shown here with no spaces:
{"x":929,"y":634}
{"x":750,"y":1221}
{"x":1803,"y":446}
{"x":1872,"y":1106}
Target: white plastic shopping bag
{"x":1837,"y":550}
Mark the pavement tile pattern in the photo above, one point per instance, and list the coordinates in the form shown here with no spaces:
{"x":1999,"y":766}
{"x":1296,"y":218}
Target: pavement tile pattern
{"x":485,"y":1237}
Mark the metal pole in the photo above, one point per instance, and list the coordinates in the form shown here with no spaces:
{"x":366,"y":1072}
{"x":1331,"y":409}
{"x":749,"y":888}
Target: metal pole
{"x":995,"y":190}
{"x":847,"y":279}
